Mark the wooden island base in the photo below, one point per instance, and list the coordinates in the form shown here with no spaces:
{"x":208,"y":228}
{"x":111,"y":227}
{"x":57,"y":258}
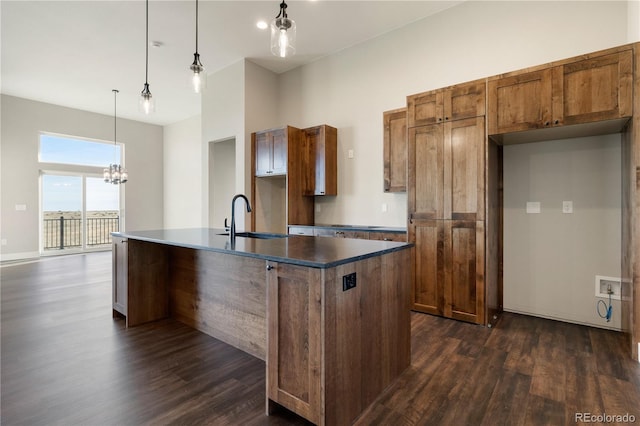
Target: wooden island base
{"x":330,"y":350}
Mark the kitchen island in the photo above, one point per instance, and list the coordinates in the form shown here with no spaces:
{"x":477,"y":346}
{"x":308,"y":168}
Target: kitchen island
{"x":329,"y":316}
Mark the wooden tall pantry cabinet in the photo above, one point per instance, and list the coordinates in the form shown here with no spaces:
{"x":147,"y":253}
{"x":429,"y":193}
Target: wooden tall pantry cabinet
{"x":446,"y":200}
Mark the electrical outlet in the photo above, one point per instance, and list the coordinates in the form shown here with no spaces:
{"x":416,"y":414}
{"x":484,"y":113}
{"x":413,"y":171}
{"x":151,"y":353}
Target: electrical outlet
{"x":567,"y":207}
{"x":350,"y":153}
{"x":384,"y":207}
{"x":348,"y":281}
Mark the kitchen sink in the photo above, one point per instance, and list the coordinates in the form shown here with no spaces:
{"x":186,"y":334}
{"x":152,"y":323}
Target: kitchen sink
{"x":259,"y":235}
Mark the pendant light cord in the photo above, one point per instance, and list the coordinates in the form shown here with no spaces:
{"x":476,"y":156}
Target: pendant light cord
{"x":146,"y":69}
{"x":115,"y":126}
{"x":196,"y":26}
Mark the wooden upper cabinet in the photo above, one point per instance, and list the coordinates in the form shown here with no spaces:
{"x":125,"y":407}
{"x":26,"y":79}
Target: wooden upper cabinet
{"x":271,"y":151}
{"x":594,"y":89}
{"x":520,"y":102}
{"x":395,"y":150}
{"x":582,"y":91}
{"x":322,"y":145}
{"x":451,"y":103}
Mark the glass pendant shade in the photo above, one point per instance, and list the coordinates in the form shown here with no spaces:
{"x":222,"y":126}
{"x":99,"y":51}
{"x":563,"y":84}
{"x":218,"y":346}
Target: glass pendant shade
{"x":147,"y":104}
{"x":198,"y":74}
{"x":283,"y":37}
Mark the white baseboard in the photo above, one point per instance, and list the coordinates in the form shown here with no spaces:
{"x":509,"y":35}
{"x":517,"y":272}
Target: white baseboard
{"x":31,"y":255}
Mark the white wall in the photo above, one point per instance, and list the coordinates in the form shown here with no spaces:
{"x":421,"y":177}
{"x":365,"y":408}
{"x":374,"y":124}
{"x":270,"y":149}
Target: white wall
{"x":351,"y":89}
{"x":23,"y":120}
{"x":223,"y":118}
{"x":551,"y":258}
{"x":183,"y":174}
{"x":633,"y":26}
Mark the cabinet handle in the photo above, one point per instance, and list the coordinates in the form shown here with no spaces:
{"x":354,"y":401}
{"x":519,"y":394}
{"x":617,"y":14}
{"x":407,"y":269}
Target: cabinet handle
{"x":269,"y":171}
{"x":123,"y":241}
{"x":446,"y":118}
{"x":386,"y":239}
{"x":269,"y":267}
{"x":546,"y":123}
{"x":439,"y":118}
{"x":556,"y":122}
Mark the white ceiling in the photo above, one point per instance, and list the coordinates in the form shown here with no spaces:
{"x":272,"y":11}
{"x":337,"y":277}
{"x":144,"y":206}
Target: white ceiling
{"x":73,"y":53}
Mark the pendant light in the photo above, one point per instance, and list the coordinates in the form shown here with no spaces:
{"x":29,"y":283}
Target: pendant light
{"x":283,"y":34}
{"x":115,"y":173}
{"x":147,"y":103}
{"x":199,"y":77}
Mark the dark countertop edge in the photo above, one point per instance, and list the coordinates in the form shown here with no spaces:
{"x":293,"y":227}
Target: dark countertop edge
{"x":298,"y":262}
{"x":361,"y":228}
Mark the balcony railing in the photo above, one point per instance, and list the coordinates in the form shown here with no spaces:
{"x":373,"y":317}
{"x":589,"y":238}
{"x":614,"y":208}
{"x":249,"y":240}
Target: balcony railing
{"x":63,"y":233}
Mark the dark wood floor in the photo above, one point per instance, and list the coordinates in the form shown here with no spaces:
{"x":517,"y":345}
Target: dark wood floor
{"x":65,"y":361}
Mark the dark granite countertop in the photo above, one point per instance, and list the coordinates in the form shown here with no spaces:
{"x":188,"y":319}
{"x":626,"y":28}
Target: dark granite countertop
{"x":305,"y":251}
{"x":365,"y":228}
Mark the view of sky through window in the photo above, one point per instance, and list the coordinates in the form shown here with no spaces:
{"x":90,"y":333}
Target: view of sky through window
{"x":64,"y":192}
{"x":64,"y":150}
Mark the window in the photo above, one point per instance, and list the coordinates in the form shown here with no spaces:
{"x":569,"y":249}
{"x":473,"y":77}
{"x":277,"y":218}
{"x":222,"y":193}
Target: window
{"x":67,"y":150}
{"x":78,"y":209}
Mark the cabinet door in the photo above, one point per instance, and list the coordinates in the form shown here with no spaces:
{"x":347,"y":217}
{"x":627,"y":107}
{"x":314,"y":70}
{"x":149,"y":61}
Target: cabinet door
{"x":279,"y":151}
{"x":464,"y":101}
{"x":322,"y":142}
{"x":464,"y":142}
{"x":428,"y":283}
{"x":426,"y":172}
{"x":263,"y":148}
{"x":520,"y":102}
{"x":464,"y":271}
{"x":395,"y":150}
{"x":424,"y":108}
{"x":294,"y":352}
{"x":593,"y":89}
{"x":119,"y":274}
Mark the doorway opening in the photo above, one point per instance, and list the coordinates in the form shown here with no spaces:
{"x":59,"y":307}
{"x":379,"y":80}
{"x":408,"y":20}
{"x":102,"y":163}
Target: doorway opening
{"x":222,"y":181}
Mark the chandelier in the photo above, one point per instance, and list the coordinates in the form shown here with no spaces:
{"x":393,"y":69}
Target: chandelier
{"x":115,"y":173}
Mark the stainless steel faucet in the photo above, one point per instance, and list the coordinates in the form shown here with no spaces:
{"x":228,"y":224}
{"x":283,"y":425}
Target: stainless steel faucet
{"x":232,"y":231}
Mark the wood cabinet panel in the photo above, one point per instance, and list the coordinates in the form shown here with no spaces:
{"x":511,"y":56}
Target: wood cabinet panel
{"x":120,"y":268}
{"x":222,"y":295}
{"x":316,"y":366}
{"x":270,"y":148}
{"x":426,"y":172}
{"x":446,"y":170}
{"x":395,"y":150}
{"x":465,"y":100}
{"x":294,"y":354}
{"x":464,"y":158}
{"x":279,"y":196}
{"x":388,"y":236}
{"x":428,"y":286}
{"x":583,"y":91}
{"x":457,"y":102}
{"x":594,"y":89}
{"x":520,"y":102}
{"x":464,"y":271}
{"x":322,"y":143}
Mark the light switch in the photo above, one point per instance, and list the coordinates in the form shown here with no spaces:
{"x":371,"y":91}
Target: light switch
{"x":350,"y":153}
{"x":384,"y":207}
{"x":533,"y":207}
{"x":567,"y":207}
{"x":21,"y":207}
